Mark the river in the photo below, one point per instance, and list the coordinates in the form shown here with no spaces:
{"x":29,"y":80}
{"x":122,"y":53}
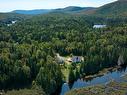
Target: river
{"x":113,"y":75}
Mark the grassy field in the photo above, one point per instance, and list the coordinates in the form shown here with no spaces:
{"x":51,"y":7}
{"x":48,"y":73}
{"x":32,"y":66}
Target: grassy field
{"x":65,"y":69}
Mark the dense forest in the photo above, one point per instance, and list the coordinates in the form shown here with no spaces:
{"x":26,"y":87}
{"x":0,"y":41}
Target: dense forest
{"x":28,"y":49}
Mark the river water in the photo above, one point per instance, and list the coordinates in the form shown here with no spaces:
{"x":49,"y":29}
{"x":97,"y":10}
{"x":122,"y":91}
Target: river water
{"x":115,"y":75}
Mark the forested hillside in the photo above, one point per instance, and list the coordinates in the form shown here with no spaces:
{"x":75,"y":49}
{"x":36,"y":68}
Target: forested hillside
{"x":28,"y":49}
{"x":7,"y":18}
{"x":115,"y":9}
{"x":4,"y":16}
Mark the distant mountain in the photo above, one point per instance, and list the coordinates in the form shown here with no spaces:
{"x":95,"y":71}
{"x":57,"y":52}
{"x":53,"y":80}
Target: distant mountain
{"x":32,"y":12}
{"x":71,"y":9}
{"x":117,"y":8}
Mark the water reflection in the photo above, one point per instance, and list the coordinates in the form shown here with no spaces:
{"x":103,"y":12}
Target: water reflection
{"x":65,"y":88}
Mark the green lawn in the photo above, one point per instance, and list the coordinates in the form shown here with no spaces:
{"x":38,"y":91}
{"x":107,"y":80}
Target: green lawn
{"x":65,"y":70}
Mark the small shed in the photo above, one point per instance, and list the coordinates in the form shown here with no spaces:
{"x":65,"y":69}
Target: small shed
{"x":60,"y":59}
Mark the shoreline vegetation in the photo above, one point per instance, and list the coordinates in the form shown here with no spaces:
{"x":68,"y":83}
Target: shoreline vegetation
{"x":110,"y":88}
{"x":88,"y":77}
{"x":102,"y":72}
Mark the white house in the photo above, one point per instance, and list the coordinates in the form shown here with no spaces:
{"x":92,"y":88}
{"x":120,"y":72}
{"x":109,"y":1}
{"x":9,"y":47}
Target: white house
{"x":76,"y":59}
{"x":99,"y":26}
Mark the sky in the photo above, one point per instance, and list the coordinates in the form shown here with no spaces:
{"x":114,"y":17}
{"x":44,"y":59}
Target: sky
{"x":10,"y":5}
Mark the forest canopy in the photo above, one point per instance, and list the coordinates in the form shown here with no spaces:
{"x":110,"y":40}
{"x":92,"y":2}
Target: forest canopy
{"x":28,"y":49}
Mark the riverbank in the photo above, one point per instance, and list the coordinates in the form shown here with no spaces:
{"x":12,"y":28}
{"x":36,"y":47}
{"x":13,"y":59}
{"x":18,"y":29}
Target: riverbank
{"x":102,"y":72}
{"x":102,"y":78}
{"x":89,"y":77}
{"x":109,"y":88}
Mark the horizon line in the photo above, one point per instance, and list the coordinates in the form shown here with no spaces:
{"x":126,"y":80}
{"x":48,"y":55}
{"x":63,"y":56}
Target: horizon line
{"x":45,"y":9}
